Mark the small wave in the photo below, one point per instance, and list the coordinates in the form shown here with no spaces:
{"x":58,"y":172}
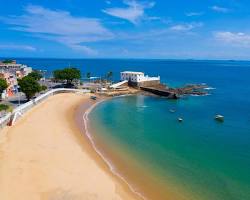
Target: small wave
{"x":142,"y":106}
{"x":209,"y":88}
{"x":111,"y":167}
{"x":197,"y":95}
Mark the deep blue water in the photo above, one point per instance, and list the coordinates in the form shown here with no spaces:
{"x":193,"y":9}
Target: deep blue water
{"x":209,"y":159}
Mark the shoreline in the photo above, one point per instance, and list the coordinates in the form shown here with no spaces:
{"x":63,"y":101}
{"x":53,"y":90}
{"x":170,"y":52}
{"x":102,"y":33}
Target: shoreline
{"x":132,"y":178}
{"x":51,"y":160}
{"x":108,"y":163}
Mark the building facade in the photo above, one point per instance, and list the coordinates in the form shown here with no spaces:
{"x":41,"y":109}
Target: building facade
{"x":139,"y":79}
{"x":12,"y":71}
{"x":12,"y":84}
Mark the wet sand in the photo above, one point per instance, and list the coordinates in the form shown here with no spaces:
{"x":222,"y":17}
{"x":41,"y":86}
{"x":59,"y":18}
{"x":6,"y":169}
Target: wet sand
{"x":45,"y":156}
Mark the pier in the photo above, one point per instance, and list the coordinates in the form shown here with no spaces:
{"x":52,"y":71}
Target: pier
{"x":176,"y":93}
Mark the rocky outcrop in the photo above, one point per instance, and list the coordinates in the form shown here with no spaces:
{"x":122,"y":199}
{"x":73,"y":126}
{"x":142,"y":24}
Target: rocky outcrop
{"x":175,"y":93}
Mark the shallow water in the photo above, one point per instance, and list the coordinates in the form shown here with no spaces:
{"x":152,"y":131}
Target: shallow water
{"x":199,"y":156}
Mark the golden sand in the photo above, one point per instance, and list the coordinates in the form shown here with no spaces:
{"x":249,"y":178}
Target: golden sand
{"x":45,"y":157}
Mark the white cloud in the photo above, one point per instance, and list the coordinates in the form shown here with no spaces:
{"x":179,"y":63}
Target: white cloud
{"x":236,"y":39}
{"x":191,"y":14}
{"x":133,"y":13}
{"x":220,"y":9}
{"x":59,"y":26}
{"x":185,"y":27}
{"x":17,"y":47}
{"x":83,"y":48}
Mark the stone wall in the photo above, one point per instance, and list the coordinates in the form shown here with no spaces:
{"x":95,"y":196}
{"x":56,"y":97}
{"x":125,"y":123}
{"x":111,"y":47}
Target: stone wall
{"x":144,"y":83}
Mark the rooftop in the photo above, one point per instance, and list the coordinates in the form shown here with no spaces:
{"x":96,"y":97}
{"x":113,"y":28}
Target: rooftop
{"x":131,"y":72}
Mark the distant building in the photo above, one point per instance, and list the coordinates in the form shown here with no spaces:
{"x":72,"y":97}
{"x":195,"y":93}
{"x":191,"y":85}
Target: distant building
{"x":25,"y":70}
{"x":11,"y":71}
{"x":12,"y":84}
{"x":139,"y":79}
{"x":19,"y":70}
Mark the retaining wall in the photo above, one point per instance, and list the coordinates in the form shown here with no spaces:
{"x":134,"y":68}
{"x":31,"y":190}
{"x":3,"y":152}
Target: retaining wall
{"x":10,"y":118}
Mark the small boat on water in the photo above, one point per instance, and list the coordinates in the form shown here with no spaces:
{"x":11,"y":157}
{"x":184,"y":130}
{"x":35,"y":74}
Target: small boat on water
{"x":93,"y":97}
{"x":219,"y":118}
{"x":172,"y":111}
{"x":180,"y":119}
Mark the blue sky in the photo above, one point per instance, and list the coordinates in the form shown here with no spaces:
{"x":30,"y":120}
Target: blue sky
{"x":211,"y":29}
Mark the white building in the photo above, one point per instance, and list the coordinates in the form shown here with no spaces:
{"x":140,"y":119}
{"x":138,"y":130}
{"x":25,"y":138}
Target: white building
{"x":26,"y":70}
{"x":19,"y":70}
{"x":139,"y":78}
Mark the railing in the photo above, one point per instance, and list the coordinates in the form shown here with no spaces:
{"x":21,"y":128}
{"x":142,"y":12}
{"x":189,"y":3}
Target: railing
{"x":10,"y":118}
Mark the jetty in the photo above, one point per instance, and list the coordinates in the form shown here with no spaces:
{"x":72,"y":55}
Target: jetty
{"x":161,"y":92}
{"x":175,"y":93}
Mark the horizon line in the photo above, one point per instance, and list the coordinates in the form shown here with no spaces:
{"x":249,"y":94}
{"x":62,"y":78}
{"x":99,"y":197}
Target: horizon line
{"x":167,"y":59}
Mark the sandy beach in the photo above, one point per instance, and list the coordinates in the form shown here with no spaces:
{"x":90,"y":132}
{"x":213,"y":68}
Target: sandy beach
{"x":45,"y":156}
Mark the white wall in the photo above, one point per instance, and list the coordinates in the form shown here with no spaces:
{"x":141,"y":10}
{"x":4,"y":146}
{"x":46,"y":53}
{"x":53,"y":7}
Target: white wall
{"x":137,"y":77}
{"x":20,"y":110}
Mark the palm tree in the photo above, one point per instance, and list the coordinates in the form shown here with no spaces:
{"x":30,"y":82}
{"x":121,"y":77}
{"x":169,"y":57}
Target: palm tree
{"x":110,"y":75}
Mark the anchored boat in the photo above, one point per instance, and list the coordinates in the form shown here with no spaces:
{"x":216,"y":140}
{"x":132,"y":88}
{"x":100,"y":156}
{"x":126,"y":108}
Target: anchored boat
{"x":180,"y":119}
{"x":219,"y":118}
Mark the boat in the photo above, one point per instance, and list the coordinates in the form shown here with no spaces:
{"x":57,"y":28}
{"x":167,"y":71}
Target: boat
{"x":180,"y":119}
{"x":219,"y":118}
{"x":172,"y":110}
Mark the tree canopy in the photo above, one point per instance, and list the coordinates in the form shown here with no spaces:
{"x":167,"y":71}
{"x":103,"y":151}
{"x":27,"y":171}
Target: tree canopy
{"x":5,"y":107}
{"x":3,"y":85}
{"x":8,"y":61}
{"x":36,"y":75}
{"x":68,"y":74}
{"x":29,"y":86}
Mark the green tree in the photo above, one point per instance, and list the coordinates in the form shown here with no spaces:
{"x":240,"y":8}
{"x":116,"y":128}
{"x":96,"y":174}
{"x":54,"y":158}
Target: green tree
{"x":3,"y":85}
{"x":29,"y":86}
{"x":88,"y":75}
{"x":43,"y":87}
{"x":36,"y":75}
{"x":5,"y":107}
{"x":8,"y":61}
{"x":68,"y":74}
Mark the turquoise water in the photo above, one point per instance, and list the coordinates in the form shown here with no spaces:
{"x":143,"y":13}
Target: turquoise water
{"x":206,"y":159}
{"x":200,"y":158}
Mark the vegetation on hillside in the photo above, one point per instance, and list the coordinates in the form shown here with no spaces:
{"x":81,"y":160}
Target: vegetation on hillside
{"x":5,"y":107}
{"x":3,"y":85}
{"x":7,"y":61}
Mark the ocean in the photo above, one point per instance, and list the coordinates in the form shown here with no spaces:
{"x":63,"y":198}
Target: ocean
{"x":198,"y":159}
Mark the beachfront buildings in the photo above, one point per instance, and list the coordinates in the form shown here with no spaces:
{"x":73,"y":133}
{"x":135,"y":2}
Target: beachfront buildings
{"x":11,"y":71}
{"x":139,"y":79}
{"x":12,"y":84}
{"x":19,"y":70}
